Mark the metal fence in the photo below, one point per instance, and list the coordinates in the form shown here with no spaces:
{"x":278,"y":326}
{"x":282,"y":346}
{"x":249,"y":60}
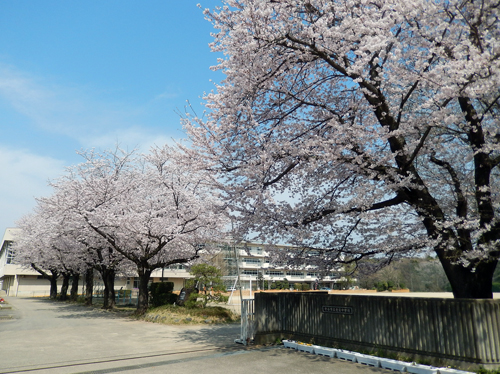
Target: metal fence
{"x":444,"y":329}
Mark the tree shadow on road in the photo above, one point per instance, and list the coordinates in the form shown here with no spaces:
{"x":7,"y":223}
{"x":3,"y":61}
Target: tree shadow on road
{"x":221,"y":336}
{"x":75,"y":310}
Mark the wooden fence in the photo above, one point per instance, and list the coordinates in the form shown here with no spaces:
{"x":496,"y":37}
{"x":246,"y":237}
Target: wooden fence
{"x":443,"y":331}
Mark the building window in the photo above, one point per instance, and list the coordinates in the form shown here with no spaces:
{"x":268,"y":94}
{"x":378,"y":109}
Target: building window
{"x":175,"y":267}
{"x":255,"y":261}
{"x":312,"y":274}
{"x":250,"y":272}
{"x":9,"y":254}
{"x":296,"y":274}
{"x":276,"y":273}
{"x":257,"y":250}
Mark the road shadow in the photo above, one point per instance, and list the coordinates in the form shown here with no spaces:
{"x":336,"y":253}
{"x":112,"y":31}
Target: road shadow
{"x":221,"y":336}
{"x":67,"y":309}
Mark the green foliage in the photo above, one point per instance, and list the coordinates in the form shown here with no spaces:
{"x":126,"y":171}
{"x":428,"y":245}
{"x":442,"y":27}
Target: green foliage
{"x":496,"y":279}
{"x":482,"y":370}
{"x":194,"y":301}
{"x":208,"y":279}
{"x":418,"y":274}
{"x":161,"y":293}
{"x":282,"y":285}
{"x":301,"y":286}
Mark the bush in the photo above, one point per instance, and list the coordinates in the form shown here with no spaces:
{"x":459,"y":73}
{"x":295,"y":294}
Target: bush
{"x":302,"y":286}
{"x":161,"y":293}
{"x":381,"y":286}
{"x":194,"y":300}
{"x":482,"y":370}
{"x":282,"y":285}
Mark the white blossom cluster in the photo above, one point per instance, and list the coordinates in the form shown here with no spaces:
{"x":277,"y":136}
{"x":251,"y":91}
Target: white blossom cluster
{"x":125,"y":212}
{"x":358,"y":129}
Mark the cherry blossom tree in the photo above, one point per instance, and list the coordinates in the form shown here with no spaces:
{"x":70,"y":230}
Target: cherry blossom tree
{"x":44,"y":245}
{"x":147,"y":208}
{"x":360,"y":128}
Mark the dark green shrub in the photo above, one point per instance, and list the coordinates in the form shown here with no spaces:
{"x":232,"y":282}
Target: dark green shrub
{"x":194,"y":300}
{"x":496,"y":287}
{"x":482,"y":370}
{"x":161,"y":293}
{"x":381,"y":286}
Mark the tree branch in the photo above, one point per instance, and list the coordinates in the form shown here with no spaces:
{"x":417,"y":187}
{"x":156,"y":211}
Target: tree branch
{"x":399,"y":199}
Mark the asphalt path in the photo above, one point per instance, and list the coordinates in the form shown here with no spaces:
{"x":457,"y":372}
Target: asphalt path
{"x":40,"y":336}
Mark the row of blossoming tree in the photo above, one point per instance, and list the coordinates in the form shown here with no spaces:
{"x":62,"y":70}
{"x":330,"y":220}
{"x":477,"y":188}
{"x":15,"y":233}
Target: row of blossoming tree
{"x":358,"y":128}
{"x":352,"y":129}
{"x":120,"y":212}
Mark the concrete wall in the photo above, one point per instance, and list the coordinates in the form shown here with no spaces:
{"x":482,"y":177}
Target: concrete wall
{"x":444,"y":331}
{"x":28,"y":286}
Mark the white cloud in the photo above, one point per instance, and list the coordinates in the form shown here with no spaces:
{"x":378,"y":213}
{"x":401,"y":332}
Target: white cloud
{"x":78,"y":116}
{"x":167,"y":95}
{"x":24,"y":176}
{"x":130,"y":138}
{"x":80,"y":113}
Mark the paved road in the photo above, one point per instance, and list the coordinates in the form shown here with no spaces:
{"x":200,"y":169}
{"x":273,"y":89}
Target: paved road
{"x":50,"y":337}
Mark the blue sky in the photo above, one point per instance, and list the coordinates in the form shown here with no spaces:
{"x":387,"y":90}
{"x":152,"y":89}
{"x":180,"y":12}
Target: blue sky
{"x":90,"y":74}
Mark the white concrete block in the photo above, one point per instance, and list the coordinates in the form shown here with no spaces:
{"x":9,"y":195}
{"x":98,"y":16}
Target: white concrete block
{"x":324,"y":351}
{"x":346,"y":355}
{"x":368,"y":360}
{"x":395,"y":365}
{"x":292,"y":344}
{"x":305,"y":348}
{"x":420,"y":369}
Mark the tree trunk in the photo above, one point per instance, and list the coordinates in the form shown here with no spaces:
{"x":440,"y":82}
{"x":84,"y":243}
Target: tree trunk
{"x":53,"y":287}
{"x":108,"y":278}
{"x":74,"y":287}
{"x":52,"y":278}
{"x":143,"y":302}
{"x":105,"y":294}
{"x":64,"y":288}
{"x":110,"y":281}
{"x":89,"y":286}
{"x":468,"y":284}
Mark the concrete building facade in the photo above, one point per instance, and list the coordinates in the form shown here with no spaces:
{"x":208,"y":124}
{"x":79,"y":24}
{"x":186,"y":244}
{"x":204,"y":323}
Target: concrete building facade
{"x":16,"y":280}
{"x":251,"y":260}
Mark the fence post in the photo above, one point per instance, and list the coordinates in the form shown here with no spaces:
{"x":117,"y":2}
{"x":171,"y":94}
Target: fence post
{"x":247,"y":322}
